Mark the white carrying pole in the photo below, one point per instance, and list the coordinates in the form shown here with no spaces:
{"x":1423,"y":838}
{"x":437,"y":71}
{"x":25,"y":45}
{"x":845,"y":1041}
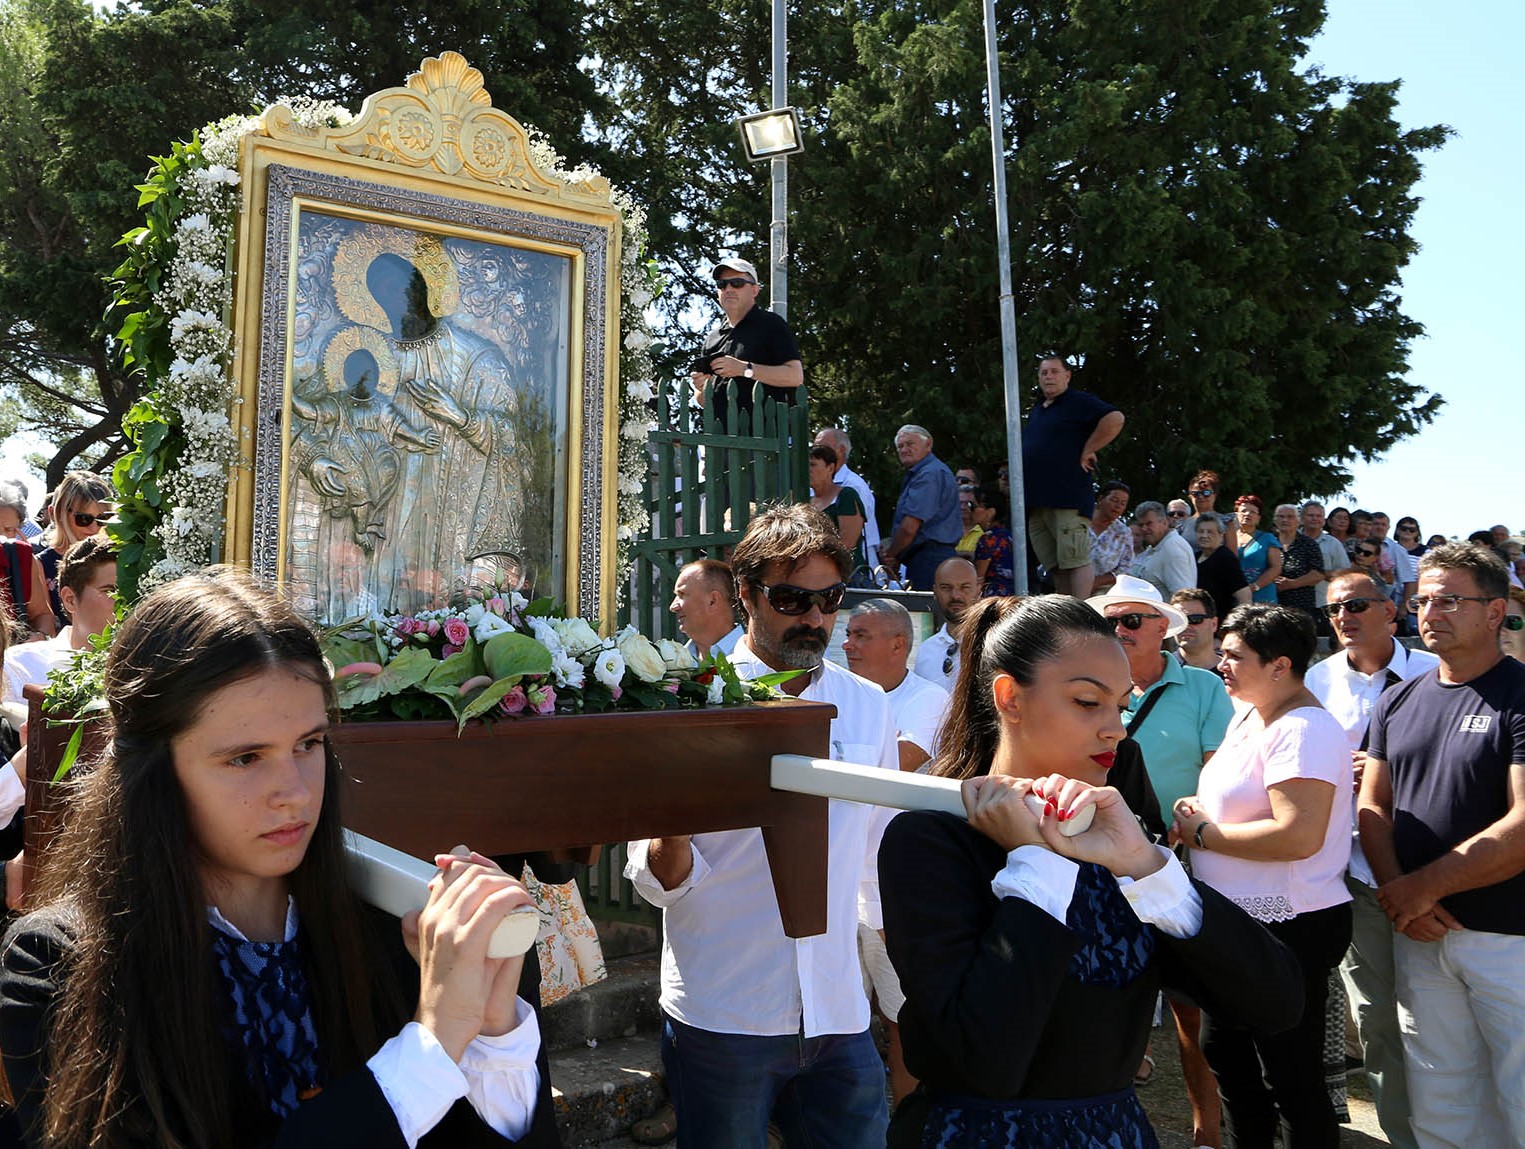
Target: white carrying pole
{"x":778,"y":232}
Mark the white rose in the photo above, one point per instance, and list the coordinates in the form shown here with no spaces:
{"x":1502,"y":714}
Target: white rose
{"x":474,"y":613}
{"x":675,"y":655}
{"x":609,"y":667}
{"x":716,"y":693}
{"x":640,"y":297}
{"x":489,"y":625}
{"x":637,"y":339}
{"x":576,"y":635}
{"x":545,"y":634}
{"x":642,"y":389}
{"x":641,"y":656}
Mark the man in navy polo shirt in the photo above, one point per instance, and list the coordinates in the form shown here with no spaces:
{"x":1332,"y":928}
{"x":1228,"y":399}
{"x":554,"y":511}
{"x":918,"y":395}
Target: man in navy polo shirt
{"x":1442,"y":821}
{"x":1059,"y":445}
{"x":751,"y":344}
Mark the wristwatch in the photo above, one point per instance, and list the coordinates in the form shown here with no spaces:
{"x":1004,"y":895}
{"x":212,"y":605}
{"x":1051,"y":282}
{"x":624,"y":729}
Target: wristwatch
{"x":749,"y":373}
{"x":1197,"y":837}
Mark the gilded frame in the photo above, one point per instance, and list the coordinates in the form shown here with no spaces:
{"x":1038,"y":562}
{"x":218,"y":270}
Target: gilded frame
{"x":432,"y":157}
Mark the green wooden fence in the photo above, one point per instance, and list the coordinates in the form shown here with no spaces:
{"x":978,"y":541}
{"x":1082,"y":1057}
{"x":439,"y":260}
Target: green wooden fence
{"x":704,"y":484}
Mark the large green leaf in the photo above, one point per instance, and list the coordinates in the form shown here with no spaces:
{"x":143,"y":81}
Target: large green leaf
{"x":410,"y":667}
{"x":514,"y":655}
{"x":487,"y":699}
{"x":445,"y":679}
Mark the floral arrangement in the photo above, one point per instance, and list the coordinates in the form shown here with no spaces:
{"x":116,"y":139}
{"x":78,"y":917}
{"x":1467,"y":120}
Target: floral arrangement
{"x":498,"y":655}
{"x":174,"y":287}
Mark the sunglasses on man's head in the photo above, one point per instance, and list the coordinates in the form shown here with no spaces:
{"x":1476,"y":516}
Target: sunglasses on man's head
{"x":83,"y":520}
{"x":734,"y":281}
{"x":1350,"y":606}
{"x":1132,"y":620}
{"x":787,"y":599}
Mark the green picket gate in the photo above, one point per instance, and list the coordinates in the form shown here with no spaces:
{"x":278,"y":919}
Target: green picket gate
{"x":706,"y":480}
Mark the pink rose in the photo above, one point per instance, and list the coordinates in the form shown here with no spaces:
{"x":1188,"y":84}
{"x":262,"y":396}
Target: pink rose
{"x":456,"y":631}
{"x":543,"y":699}
{"x":449,"y":650}
{"x":495,"y":604}
{"x":406,"y":626}
{"x":514,"y":701}
{"x":615,"y":692}
{"x":432,"y":626}
{"x":670,"y":687}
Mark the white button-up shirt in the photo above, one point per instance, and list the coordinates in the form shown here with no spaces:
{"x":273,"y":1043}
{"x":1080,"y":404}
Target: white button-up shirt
{"x":1351,"y":696}
{"x":727,"y":965}
{"x":850,"y":478}
{"x":933,"y":654}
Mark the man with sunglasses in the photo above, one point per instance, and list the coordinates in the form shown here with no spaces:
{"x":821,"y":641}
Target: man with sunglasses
{"x":1442,"y":819}
{"x":1178,"y":715}
{"x":753,"y":1017}
{"x":1197,"y":645}
{"x":749,"y":344}
{"x":955,"y":588}
{"x":1348,"y":683}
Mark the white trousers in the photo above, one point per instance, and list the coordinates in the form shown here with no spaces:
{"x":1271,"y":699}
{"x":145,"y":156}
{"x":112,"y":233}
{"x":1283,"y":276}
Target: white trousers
{"x":1461,"y":1006}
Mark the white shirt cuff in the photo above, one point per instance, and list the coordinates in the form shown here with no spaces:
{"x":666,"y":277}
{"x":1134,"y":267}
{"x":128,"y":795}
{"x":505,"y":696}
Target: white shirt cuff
{"x":418,"y":1079}
{"x":12,"y":793}
{"x":638,"y":872}
{"x":1038,"y":875}
{"x":502,"y":1079}
{"x":1166,"y":899}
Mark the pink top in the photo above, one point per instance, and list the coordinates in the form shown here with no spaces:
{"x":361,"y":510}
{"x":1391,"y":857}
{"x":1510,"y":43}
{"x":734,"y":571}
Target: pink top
{"x":1303,"y":743}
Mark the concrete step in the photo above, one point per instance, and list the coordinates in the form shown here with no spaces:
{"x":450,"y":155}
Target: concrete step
{"x":600,"y":1092}
{"x":621,"y":1006}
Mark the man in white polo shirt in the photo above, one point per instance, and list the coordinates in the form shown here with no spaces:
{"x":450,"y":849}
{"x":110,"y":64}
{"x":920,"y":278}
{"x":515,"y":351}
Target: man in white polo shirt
{"x":758,"y":1023}
{"x":1348,"y":683}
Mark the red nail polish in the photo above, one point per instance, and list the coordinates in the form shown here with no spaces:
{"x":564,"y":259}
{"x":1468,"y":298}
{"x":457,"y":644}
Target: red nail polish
{"x":1049,"y":809}
{"x":1064,"y":815}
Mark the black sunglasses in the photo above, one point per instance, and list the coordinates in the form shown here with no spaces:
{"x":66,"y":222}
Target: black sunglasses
{"x":736,"y":281}
{"x":1204,"y":493}
{"x":1351,"y":605}
{"x":948,"y":664}
{"x":788,"y":599}
{"x":1511,"y":622}
{"x":1132,"y":620}
{"x":1198,"y":619}
{"x":83,"y":520}
{"x":1362,"y":552}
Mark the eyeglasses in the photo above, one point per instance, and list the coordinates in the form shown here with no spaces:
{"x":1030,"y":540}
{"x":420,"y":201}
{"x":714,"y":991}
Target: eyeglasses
{"x":1446,"y":603}
{"x":1350,"y":606}
{"x":1198,"y":619}
{"x":1514,"y":622}
{"x":1364,"y":553}
{"x":83,"y":520}
{"x":1204,"y":493}
{"x":948,"y":662}
{"x":1132,"y":620}
{"x":788,"y":599}
{"x":735,"y":281}
{"x":1179,"y":514}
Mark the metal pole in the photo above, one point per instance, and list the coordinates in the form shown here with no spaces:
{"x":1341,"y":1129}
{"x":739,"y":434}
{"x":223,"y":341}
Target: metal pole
{"x":1008,"y":313}
{"x":778,"y":232}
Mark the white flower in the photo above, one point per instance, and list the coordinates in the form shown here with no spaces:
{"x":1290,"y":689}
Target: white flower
{"x":196,"y":222}
{"x":637,"y":339}
{"x":217,"y":174}
{"x":675,"y":655}
{"x":489,"y":625}
{"x":576,"y":635}
{"x":474,"y":613}
{"x":624,"y":533}
{"x":609,"y":667}
{"x":207,"y":469}
{"x":716,"y":693}
{"x":545,"y":634}
{"x":190,"y":320}
{"x":517,"y":601}
{"x":567,"y":670}
{"x":182,"y":521}
{"x":630,"y":485}
{"x":640,"y":656}
{"x":637,"y":429}
{"x":642,"y":389}
{"x":640,"y":297}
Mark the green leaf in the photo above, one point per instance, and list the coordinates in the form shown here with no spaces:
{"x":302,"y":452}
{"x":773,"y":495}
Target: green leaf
{"x":515,"y":655}
{"x":445,"y":679}
{"x":71,"y":752}
{"x":410,"y":667}
{"x":777,"y":678}
{"x":489,"y":697}
{"x":542,"y":608}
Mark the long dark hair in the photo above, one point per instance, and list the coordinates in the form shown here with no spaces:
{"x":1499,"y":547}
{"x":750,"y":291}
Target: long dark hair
{"x":136,"y":1054}
{"x":1013,"y":636}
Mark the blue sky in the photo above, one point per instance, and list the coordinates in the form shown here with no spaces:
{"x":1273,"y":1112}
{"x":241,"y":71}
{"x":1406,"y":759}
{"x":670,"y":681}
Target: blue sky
{"x":1459,"y":66}
{"x":1457,"y":62}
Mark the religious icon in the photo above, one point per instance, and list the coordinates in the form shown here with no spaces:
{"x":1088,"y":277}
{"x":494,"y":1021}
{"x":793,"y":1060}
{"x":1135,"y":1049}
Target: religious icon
{"x":424,"y":417}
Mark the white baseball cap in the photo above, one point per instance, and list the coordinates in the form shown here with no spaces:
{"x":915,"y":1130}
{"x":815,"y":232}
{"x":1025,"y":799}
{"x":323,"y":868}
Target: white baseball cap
{"x":741,"y":265}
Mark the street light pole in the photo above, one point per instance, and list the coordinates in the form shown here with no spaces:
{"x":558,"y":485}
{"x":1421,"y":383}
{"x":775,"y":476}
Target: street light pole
{"x":778,"y":231}
{"x":1018,"y":524}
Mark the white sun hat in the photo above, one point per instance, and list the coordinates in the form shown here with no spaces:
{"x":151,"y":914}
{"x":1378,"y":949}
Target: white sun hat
{"x":1131,"y":589}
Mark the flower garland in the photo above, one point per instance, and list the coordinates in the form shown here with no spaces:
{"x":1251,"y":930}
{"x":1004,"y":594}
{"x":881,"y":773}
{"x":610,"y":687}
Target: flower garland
{"x":176,"y":287}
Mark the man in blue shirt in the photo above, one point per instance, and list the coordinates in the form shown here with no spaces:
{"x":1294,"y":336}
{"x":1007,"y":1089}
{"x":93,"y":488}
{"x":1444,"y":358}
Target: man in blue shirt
{"x":1059,"y":445}
{"x":927,"y":519}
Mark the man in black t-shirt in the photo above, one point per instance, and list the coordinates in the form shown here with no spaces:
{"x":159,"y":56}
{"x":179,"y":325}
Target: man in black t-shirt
{"x":749,"y":344}
{"x":1442,"y":822}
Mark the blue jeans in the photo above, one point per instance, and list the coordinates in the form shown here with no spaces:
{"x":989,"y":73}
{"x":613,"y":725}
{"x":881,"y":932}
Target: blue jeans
{"x":922,"y":561}
{"x":825,"y":1092}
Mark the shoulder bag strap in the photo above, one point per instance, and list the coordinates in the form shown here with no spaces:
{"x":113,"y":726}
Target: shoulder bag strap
{"x":1142,"y":712}
{"x":18,"y":595}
